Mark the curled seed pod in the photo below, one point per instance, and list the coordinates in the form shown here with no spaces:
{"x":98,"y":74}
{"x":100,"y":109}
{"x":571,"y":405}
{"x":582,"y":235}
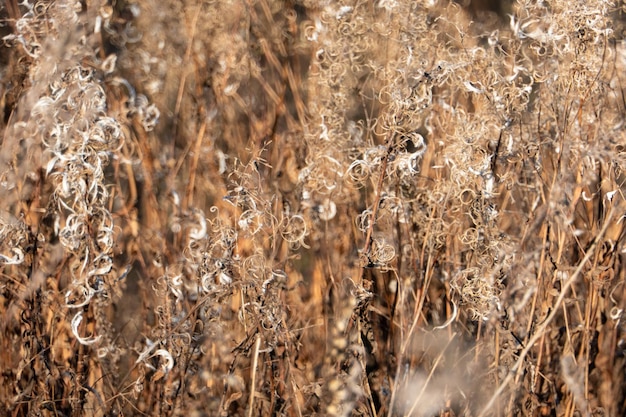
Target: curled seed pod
{"x":358,"y":172}
{"x":382,"y":253}
{"x":295,"y":230}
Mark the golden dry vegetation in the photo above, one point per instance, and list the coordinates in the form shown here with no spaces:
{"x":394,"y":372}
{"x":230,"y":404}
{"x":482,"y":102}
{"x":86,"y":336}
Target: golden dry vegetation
{"x":312,"y":208}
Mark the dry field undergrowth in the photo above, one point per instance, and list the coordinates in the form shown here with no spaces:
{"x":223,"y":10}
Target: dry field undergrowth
{"x":300,"y":208}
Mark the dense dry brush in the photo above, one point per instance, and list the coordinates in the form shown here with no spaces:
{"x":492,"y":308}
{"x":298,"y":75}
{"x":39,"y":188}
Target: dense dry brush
{"x":302,"y":207}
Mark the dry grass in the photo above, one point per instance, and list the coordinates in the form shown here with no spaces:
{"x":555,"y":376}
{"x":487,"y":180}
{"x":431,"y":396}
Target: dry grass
{"x":355,"y":208}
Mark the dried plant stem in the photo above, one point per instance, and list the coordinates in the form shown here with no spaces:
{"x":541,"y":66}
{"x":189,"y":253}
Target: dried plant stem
{"x":421,"y":296}
{"x":379,"y":190}
{"x":364,"y":377}
{"x":497,"y":366}
{"x":255,"y":362}
{"x":183,"y":78}
{"x":430,"y":375}
{"x":555,"y":311}
{"x":188,"y":200}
